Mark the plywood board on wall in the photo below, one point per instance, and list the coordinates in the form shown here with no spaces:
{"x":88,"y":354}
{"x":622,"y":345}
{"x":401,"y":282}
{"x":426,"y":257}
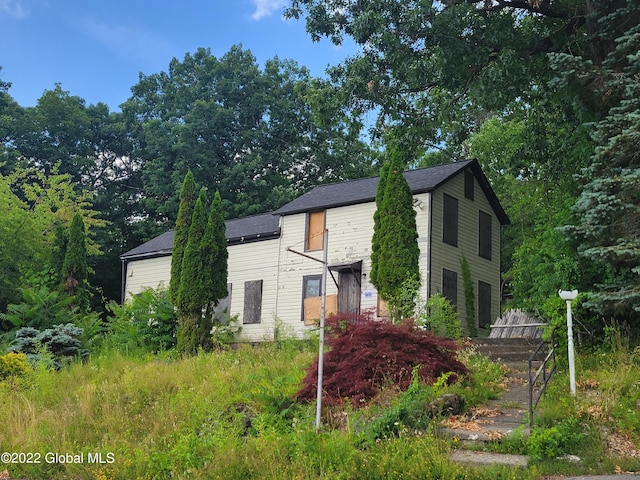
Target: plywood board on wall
{"x":312,"y":307}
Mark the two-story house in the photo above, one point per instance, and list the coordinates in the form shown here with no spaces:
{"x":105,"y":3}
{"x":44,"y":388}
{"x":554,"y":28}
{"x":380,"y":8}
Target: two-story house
{"x":273,"y":281}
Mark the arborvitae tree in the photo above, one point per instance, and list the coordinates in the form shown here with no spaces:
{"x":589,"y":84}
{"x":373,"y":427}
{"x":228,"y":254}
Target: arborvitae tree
{"x":375,"y":240}
{"x":58,"y":253}
{"x":74,"y":269}
{"x":192,"y":294}
{"x":219,"y":269}
{"x":398,"y":254}
{"x":214,"y":264}
{"x":181,"y":232}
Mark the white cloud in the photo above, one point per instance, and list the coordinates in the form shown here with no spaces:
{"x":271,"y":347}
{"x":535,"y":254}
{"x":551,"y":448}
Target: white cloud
{"x":264,"y":8}
{"x":13,"y":8}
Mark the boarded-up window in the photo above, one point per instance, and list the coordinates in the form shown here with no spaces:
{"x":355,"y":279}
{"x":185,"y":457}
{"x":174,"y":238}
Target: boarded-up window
{"x":484,"y":235}
{"x":252,"y":301}
{"x":468,"y":184}
{"x":311,"y":287}
{"x":224,"y":306}
{"x":450,"y":286}
{"x":484,"y":304}
{"x":315,"y":230}
{"x":450,"y":220}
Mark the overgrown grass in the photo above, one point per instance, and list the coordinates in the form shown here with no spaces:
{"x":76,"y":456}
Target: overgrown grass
{"x":229,"y":415}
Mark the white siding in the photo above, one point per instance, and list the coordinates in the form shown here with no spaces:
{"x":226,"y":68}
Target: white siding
{"x":147,"y":273}
{"x":248,"y":262}
{"x":350,"y":230}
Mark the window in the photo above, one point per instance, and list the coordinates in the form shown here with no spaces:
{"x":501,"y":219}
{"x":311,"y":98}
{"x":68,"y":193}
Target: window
{"x":484,"y":235}
{"x":311,"y":288}
{"x":315,"y":230}
{"x":450,"y":220}
{"x":224,"y":305}
{"x":252,"y":302}
{"x":450,"y":286}
{"x":484,"y":304}
{"x":469,"y":182}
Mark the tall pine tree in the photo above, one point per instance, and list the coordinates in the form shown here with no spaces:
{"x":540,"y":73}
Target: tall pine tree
{"x":181,"y":232}
{"x":397,"y":256}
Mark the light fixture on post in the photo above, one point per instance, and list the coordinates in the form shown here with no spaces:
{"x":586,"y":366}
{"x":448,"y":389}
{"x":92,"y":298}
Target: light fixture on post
{"x":569,"y":296}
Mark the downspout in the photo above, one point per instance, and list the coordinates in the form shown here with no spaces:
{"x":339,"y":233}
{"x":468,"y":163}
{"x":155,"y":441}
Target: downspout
{"x":429,"y":242}
{"x":123,"y":281}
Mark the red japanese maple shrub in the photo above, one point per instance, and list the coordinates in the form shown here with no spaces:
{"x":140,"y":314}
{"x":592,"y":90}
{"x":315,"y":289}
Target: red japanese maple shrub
{"x":365,"y":355}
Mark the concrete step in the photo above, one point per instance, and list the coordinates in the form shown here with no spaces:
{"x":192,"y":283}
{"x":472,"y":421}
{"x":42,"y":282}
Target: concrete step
{"x":508,"y":349}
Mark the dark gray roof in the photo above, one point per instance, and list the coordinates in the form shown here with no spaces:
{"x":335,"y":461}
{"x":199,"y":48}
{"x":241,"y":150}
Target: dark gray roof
{"x":351,"y":192}
{"x":240,"y":230}
{"x":363,"y":190}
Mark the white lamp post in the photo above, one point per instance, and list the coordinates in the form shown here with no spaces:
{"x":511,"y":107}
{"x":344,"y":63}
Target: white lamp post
{"x":569,"y":296}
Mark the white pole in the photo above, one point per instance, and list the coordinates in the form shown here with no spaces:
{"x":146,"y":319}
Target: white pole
{"x":569,"y":297}
{"x":572,"y":363}
{"x":323,"y":302}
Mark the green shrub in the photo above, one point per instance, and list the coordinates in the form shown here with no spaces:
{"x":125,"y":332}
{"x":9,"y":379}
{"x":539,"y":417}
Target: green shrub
{"x":225,"y":330}
{"x":61,"y":341}
{"x":147,"y":323}
{"x":40,"y":309}
{"x":553,"y":442}
{"x":440,"y":317}
{"x":14,"y":367}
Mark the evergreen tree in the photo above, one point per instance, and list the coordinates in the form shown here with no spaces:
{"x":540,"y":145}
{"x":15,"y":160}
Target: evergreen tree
{"x":398,"y":252}
{"x":58,"y":254}
{"x":609,"y":207}
{"x":74,"y":269}
{"x":375,"y":240}
{"x":181,"y":232}
{"x":219,"y":268}
{"x":193,"y":296}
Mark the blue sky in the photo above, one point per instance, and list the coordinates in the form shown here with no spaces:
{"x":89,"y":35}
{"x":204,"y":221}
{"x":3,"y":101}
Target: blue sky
{"x":96,"y":49}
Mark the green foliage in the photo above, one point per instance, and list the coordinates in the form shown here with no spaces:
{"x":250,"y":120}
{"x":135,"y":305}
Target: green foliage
{"x":440,"y":317}
{"x":14,"y":367}
{"x":553,"y":442}
{"x":396,"y":240}
{"x":62,"y":342}
{"x":40,"y":309}
{"x":284,"y":134}
{"x":192,"y":296}
{"x":74,"y":268}
{"x":469,"y":297}
{"x":225,"y":330}
{"x":181,"y":232}
{"x":215,"y":249}
{"x":147,"y":323}
{"x":377,"y":218}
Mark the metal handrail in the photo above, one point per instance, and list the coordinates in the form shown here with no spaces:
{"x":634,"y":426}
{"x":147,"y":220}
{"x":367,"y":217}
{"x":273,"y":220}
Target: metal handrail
{"x":544,"y":370}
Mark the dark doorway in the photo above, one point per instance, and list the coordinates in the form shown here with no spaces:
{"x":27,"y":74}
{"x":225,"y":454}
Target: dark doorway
{"x":349,"y":289}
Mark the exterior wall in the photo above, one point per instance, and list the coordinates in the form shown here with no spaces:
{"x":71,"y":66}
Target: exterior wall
{"x":350,"y":230}
{"x":248,"y":262}
{"x":147,"y":273}
{"x":449,"y":257}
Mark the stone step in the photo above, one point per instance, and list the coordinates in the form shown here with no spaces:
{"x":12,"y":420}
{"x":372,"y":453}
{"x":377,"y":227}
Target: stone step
{"x":508,"y":349}
{"x":470,"y":457}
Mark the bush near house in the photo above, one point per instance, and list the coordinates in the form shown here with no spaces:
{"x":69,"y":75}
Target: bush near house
{"x":367,"y":355}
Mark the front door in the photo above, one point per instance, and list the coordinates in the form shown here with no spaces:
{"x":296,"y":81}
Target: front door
{"x":349,"y":291}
